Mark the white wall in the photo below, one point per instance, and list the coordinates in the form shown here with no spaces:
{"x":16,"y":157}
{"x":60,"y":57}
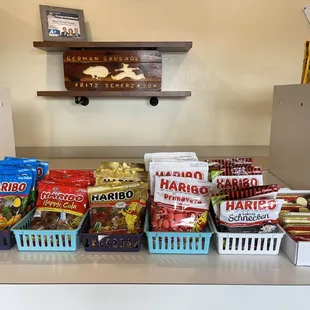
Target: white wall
{"x":241,"y":49}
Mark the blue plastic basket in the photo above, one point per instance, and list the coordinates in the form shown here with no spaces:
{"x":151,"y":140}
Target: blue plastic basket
{"x":176,"y":242}
{"x":45,"y":240}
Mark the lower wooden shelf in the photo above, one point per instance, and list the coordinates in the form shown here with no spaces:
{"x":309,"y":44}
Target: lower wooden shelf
{"x":82,"y":96}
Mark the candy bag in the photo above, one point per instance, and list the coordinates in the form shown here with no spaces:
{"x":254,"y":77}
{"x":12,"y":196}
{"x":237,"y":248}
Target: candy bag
{"x":248,"y":216}
{"x":74,"y":172}
{"x":238,"y":177}
{"x":190,"y":169}
{"x":77,"y":178}
{"x":113,"y":165}
{"x":258,"y":192}
{"x":42,"y":169}
{"x":24,"y":163}
{"x":180,"y":204}
{"x":120,"y":175}
{"x":230,"y":162}
{"x":59,"y":207}
{"x":168,"y":157}
{"x":42,"y":166}
{"x":14,"y":193}
{"x":117,"y":207}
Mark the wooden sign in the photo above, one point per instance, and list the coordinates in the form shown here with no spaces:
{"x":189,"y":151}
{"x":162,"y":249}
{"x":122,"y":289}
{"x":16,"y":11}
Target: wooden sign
{"x":112,"y":70}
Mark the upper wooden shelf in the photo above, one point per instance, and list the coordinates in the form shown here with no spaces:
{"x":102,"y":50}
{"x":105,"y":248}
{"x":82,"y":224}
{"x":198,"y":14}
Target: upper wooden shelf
{"x":61,"y":46}
{"x":81,"y":97}
{"x":134,"y":94}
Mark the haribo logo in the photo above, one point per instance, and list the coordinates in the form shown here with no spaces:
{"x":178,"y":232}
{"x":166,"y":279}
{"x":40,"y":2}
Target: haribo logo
{"x":250,"y":205}
{"x":236,"y":182}
{"x":12,"y":187}
{"x":112,"y":196}
{"x":61,"y":196}
{"x":181,"y":187}
{"x":181,"y":174}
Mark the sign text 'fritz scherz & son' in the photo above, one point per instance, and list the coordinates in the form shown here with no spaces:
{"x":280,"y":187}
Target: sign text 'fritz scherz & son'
{"x":113,"y":70}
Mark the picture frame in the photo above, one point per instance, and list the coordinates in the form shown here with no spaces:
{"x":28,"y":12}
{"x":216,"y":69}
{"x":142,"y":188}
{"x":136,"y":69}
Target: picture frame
{"x":62,"y":24}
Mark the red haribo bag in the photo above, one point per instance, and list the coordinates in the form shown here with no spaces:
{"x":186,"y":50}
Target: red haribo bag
{"x":180,"y":204}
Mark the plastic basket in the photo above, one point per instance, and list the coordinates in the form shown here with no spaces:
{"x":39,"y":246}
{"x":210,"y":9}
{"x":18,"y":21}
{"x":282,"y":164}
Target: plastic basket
{"x":45,"y":240}
{"x":247,"y":243}
{"x":177,"y":242}
{"x":109,"y":243}
{"x":7,"y":240}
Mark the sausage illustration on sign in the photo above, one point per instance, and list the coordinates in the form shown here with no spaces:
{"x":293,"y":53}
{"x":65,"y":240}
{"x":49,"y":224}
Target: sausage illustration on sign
{"x":127,"y":72}
{"x":97,"y":72}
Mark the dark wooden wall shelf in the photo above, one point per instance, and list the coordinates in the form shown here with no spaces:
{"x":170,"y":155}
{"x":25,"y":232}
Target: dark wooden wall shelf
{"x":61,"y":46}
{"x":81,"y":97}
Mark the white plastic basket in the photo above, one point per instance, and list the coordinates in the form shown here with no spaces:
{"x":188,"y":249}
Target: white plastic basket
{"x":247,"y":243}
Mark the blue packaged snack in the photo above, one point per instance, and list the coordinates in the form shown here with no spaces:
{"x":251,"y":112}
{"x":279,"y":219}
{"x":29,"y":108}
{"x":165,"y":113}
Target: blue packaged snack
{"x":12,"y":170}
{"x":7,"y":164}
{"x":14,"y":194}
{"x":17,"y":163}
{"x":42,"y":169}
{"x":30,"y":163}
{"x":42,"y":166}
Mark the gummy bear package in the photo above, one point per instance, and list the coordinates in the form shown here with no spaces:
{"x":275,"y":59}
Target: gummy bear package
{"x":113,"y":165}
{"x":117,"y":207}
{"x":120,"y":175}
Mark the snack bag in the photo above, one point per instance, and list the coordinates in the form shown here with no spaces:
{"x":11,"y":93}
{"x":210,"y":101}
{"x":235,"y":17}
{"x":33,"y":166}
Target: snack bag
{"x":77,"y":178}
{"x":117,"y":207}
{"x":180,"y":204}
{"x":234,"y":178}
{"x":74,"y":172}
{"x":248,"y":216}
{"x":42,"y":169}
{"x":190,"y":169}
{"x":25,"y":163}
{"x":122,"y":165}
{"x":59,"y":207}
{"x":257,"y":192}
{"x":120,"y":175}
{"x":230,"y":162}
{"x":28,"y":163}
{"x":14,"y":193}
{"x":168,"y":157}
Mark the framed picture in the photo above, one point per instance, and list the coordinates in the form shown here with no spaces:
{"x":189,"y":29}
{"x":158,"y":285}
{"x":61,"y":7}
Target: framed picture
{"x":62,"y":24}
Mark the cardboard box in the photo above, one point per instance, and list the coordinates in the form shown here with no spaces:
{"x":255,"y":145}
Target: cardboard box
{"x":297,"y":252}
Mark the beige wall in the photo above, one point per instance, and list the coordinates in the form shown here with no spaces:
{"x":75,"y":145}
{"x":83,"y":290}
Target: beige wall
{"x":241,"y":49}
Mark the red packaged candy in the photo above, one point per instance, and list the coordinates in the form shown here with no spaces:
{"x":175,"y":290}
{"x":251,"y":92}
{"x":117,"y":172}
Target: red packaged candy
{"x":59,"y":206}
{"x":234,"y":178}
{"x":180,"y":204}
